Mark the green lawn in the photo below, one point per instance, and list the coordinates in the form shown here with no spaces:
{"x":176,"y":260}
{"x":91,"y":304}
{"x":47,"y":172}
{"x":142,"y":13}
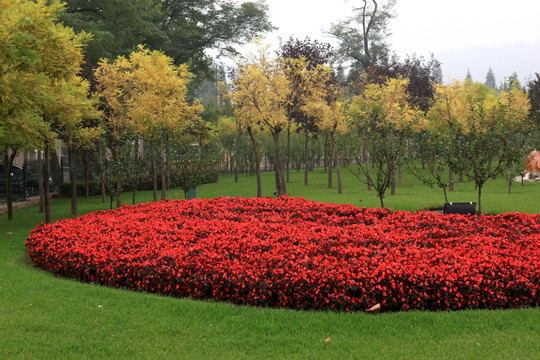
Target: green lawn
{"x":44,"y":317}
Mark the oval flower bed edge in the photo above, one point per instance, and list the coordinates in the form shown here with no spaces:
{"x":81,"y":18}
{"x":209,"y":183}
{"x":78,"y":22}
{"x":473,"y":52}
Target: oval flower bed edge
{"x":294,"y":253}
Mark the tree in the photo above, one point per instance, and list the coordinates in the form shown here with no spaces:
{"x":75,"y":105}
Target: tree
{"x":332,"y":120}
{"x":36,"y":54}
{"x":488,"y":133}
{"x":245,"y":115}
{"x":159,"y":102}
{"x":145,"y":95}
{"x":114,"y":83}
{"x":260,"y":92}
{"x":118,"y":26}
{"x":421,"y":76}
{"x":303,"y":63}
{"x":71,"y":106}
{"x":510,"y":82}
{"x":362,"y":36}
{"x":420,"y":73}
{"x":193,"y":166}
{"x":385,"y":120}
{"x":21,"y":84}
{"x":490,"y":80}
{"x":437,"y":72}
{"x":533,"y":90}
{"x":183,"y":29}
{"x":447,"y":114}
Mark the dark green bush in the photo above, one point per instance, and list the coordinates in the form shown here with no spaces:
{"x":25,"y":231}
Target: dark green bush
{"x":93,"y":188}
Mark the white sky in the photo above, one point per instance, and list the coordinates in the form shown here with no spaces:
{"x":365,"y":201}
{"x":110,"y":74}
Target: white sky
{"x":422,"y":26}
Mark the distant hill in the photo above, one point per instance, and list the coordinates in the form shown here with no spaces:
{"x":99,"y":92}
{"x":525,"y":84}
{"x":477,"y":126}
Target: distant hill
{"x":523,"y":58}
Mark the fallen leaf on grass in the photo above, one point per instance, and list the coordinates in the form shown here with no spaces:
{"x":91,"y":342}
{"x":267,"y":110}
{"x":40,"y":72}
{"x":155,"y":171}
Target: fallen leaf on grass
{"x":375,"y":308}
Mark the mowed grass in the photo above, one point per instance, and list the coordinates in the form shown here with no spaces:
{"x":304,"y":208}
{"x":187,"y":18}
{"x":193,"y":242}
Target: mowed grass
{"x":44,"y":317}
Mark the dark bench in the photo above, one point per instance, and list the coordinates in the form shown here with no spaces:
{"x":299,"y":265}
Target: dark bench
{"x":464,"y":208}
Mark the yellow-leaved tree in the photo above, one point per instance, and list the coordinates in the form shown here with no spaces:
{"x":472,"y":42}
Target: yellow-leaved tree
{"x":70,"y":111}
{"x":145,"y":96}
{"x":308,"y":84}
{"x":36,"y":54}
{"x":330,"y":115}
{"x":448,"y":113}
{"x":159,"y":106}
{"x":260,"y":93}
{"x":480,"y":133}
{"x":385,"y":120}
{"x":114,"y":87}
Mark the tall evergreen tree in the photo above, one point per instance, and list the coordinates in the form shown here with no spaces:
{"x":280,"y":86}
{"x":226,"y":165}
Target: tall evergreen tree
{"x":437,"y":71}
{"x":510,"y":82}
{"x":490,"y":79}
{"x":468,"y":77}
{"x":533,"y":90}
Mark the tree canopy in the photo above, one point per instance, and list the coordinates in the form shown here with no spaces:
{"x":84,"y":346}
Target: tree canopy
{"x":363,"y":35}
{"x":183,"y":29}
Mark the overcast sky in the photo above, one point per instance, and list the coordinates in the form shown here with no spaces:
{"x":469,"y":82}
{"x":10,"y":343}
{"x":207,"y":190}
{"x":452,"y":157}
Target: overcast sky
{"x":479,"y":30}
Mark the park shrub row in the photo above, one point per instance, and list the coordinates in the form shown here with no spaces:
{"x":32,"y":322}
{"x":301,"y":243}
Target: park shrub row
{"x":208,"y":175}
{"x":293,"y":253}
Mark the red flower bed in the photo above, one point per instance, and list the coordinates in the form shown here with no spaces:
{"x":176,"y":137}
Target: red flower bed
{"x":294,"y":253}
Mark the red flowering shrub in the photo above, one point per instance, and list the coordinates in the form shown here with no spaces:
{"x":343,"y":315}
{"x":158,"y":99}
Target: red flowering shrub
{"x":294,"y":253}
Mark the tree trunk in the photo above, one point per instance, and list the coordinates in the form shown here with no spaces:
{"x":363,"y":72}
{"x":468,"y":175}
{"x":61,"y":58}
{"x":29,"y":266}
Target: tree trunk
{"x":46,"y":188}
{"x":288,"y":163}
{"x":257,"y":161}
{"x":86,"y":179}
{"x":400,"y":174}
{"x":306,"y":154}
{"x":479,"y":198}
{"x":451,"y":180}
{"x":163,"y":165}
{"x":8,"y":162}
{"x":40,"y":181}
{"x":368,"y":166}
{"x":432,"y":162}
{"x":118,"y":191}
{"x":238,"y":147}
{"x":330,"y":161}
{"x":154,"y":179}
{"x":338,"y":172}
{"x":422,"y":156}
{"x":325,"y":160}
{"x":72,"y":178}
{"x":102,"y":173}
{"x":392,"y":170}
{"x":278,"y":166}
{"x":118,"y":185}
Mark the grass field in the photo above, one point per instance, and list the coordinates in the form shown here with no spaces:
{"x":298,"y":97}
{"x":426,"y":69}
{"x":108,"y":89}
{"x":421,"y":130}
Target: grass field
{"x":44,"y":317}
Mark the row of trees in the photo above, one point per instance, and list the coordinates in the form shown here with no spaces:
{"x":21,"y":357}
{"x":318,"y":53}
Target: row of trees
{"x":468,"y":128}
{"x":132,"y":114}
{"x":139,"y":105}
{"x":41,"y":95}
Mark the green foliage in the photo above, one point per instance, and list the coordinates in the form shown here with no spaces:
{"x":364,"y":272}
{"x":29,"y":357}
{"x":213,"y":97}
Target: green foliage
{"x":362,"y":36}
{"x":490,"y":80}
{"x":533,"y":90}
{"x":94,"y":188}
{"x":182,"y":29}
{"x":195,"y":166}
